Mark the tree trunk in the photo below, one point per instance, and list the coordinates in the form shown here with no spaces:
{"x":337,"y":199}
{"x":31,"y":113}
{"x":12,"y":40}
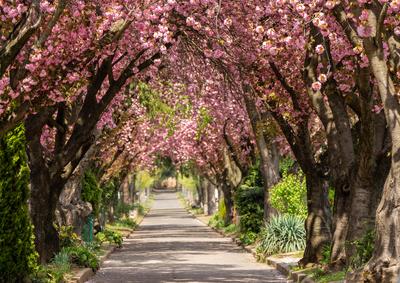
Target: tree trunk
{"x":45,"y":192}
{"x":267,"y":149}
{"x":211,"y":199}
{"x":270,"y":174}
{"x":42,"y":209}
{"x":384,"y":265}
{"x":318,"y":221}
{"x":340,"y":225}
{"x":228,"y":201}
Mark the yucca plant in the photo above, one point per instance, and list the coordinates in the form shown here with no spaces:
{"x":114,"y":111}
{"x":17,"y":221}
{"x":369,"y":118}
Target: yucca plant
{"x":283,"y":234}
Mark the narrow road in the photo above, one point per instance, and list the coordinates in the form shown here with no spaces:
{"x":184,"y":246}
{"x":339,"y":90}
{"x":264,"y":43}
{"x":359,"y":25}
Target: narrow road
{"x":171,"y":246}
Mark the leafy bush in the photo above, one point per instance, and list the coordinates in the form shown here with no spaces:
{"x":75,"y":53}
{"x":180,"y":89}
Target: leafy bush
{"x":221,"y":210}
{"x":91,"y":191}
{"x":55,"y":271}
{"x":232,"y":228}
{"x":249,"y":201}
{"x":67,"y":236}
{"x":112,"y":237}
{"x":216,"y":222}
{"x":123,"y":209}
{"x":326,"y":254}
{"x":82,"y":256}
{"x":17,"y":250}
{"x":248,"y":238}
{"x":284,"y":233}
{"x":289,"y":196}
{"x":140,"y":208}
{"x":364,"y":249}
{"x":250,"y":205}
{"x":285,"y":165}
{"x":49,"y":274}
{"x":126,"y":222}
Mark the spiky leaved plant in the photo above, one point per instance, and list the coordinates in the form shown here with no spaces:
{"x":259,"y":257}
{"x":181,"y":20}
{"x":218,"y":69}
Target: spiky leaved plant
{"x":283,"y":234}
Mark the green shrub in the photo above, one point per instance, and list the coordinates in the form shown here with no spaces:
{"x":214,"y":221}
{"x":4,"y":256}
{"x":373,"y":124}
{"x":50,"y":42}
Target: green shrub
{"x":221,"y":209}
{"x":91,"y":191}
{"x":284,"y":233}
{"x":250,"y":206}
{"x":216,"y":222}
{"x":249,"y":202}
{"x":289,"y":196}
{"x":55,"y":271}
{"x":248,"y":238}
{"x":126,"y":222}
{"x":285,"y":165}
{"x":140,"y":208}
{"x":232,"y":228}
{"x":17,"y":250}
{"x":112,"y":237}
{"x":364,"y":248}
{"x":67,"y":236}
{"x":326,"y":255}
{"x":82,"y":256}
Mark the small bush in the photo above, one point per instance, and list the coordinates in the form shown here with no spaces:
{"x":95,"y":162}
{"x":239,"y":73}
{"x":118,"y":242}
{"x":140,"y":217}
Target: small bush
{"x":91,"y":191}
{"x":232,"y":228}
{"x":216,"y":222}
{"x":82,"y":256}
{"x":250,"y":205}
{"x":248,"y":238}
{"x":283,"y":234}
{"x":140,"y":208}
{"x":55,"y":271}
{"x":364,"y":249}
{"x":67,"y":236}
{"x":112,"y":237}
{"x":289,"y":196}
{"x":123,"y":209}
{"x":221,"y":209}
{"x":326,"y":254}
{"x":126,"y":222}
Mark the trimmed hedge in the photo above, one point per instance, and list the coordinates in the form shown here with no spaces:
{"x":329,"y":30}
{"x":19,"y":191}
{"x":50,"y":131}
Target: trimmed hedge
{"x":18,"y":257}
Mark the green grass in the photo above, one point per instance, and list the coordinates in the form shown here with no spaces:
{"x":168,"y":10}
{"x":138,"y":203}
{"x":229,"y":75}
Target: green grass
{"x":321,"y":276}
{"x":230,"y":229}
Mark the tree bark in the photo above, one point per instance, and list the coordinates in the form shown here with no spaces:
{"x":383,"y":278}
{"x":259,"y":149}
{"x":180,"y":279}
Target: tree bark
{"x":267,"y":149}
{"x":318,"y":221}
{"x":384,"y":265}
{"x":228,"y":201}
{"x":44,"y":193}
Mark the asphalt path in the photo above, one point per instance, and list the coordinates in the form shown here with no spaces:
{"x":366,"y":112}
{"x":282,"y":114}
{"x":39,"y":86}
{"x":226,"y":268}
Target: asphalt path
{"x":172,"y":246}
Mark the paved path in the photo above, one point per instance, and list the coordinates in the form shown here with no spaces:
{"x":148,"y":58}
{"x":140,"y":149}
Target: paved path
{"x":172,"y":246}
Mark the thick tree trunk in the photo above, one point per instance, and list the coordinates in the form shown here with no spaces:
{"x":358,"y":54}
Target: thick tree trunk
{"x":228,"y":201}
{"x":45,"y":193}
{"x":204,"y":188}
{"x":211,"y":205}
{"x":267,"y":149}
{"x":340,"y":225}
{"x":318,"y":221}
{"x":270,"y":173}
{"x":384,"y":265}
{"x":43,"y":204}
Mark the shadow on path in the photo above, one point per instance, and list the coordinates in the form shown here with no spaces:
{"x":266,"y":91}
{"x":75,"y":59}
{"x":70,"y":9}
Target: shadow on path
{"x":172,"y":246}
